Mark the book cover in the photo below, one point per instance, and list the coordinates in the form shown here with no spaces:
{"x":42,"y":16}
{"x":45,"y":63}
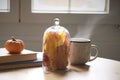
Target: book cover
{"x":23,"y":64}
{"x":6,"y":57}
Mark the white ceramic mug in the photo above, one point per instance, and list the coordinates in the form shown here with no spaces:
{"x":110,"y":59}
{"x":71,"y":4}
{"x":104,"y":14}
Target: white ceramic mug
{"x":80,"y":50}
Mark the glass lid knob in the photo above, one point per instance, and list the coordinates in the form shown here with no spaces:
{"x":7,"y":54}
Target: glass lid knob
{"x":56,"y":21}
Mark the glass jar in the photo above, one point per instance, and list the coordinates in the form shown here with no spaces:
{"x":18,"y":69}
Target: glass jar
{"x":56,"y":42}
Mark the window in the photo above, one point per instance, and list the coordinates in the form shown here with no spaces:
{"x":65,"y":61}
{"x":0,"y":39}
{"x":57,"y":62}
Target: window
{"x":70,"y":6}
{"x":9,"y":11}
{"x":69,"y":11}
{"x":4,"y":5}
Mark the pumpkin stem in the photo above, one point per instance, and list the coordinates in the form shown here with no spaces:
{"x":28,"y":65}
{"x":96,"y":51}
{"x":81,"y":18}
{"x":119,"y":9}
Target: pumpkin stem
{"x":13,"y":38}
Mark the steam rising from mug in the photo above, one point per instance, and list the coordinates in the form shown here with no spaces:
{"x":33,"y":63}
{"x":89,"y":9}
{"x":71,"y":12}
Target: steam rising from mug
{"x":86,"y":30}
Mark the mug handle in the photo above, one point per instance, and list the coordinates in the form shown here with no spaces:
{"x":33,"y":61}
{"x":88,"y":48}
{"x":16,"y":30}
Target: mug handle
{"x":96,"y":54}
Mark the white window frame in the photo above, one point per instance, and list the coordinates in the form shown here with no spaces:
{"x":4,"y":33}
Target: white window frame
{"x":13,"y":15}
{"x":28,"y":17}
{"x":69,"y":9}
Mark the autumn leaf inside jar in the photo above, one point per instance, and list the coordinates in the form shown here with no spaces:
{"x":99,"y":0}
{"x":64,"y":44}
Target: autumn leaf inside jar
{"x":56,"y":47}
{"x":14,"y":45}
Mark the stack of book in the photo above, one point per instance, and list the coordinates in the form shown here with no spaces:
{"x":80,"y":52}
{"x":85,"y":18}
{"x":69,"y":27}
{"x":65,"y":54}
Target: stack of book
{"x":24,"y":59}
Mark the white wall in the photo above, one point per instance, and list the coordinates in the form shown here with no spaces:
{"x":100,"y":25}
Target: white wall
{"x":105,"y":35}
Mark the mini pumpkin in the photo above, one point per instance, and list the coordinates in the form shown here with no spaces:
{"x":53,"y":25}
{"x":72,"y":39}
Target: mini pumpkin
{"x":14,"y":45}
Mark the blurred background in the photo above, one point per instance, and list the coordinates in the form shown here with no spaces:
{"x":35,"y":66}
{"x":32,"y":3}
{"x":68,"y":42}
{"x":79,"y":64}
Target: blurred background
{"x":102,"y":29}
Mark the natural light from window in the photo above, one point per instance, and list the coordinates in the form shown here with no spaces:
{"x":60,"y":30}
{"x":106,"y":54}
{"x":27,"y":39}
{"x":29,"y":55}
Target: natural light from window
{"x":70,"y":6}
{"x":4,"y":5}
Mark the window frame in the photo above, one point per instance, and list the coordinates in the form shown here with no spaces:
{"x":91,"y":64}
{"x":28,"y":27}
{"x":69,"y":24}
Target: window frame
{"x":70,"y":11}
{"x":46,"y":18}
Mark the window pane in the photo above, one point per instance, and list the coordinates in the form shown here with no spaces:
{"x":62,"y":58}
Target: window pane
{"x":88,"y":5}
{"x":49,"y":5}
{"x":4,"y":5}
